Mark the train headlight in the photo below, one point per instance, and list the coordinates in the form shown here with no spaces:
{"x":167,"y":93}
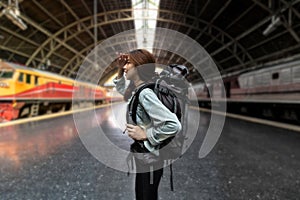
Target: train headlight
{"x":4,"y":85}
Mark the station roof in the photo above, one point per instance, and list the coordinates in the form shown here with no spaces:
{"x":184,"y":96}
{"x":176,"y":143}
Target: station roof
{"x":238,"y":35}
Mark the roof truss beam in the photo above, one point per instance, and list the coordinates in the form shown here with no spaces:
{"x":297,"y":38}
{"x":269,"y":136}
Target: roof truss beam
{"x":222,"y":37}
{"x":286,"y":17}
{"x":105,"y":18}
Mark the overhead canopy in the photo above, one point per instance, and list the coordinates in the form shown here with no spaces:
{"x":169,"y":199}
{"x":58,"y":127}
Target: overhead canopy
{"x":238,"y":35}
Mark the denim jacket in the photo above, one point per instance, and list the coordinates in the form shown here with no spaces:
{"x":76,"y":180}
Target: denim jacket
{"x":158,"y":121}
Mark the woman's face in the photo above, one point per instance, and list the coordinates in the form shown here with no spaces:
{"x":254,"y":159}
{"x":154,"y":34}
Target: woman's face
{"x":130,"y":70}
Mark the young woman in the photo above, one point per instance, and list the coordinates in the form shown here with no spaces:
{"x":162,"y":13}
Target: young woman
{"x":154,"y":122}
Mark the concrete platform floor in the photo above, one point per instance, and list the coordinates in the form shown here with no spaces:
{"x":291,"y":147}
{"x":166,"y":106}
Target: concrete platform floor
{"x":47,"y":160}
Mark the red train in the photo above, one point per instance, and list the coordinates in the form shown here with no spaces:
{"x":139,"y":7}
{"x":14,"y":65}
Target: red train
{"x":28,"y":92}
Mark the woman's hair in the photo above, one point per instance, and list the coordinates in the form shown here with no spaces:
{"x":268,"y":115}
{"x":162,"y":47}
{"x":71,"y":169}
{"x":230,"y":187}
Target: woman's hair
{"x":144,"y":61}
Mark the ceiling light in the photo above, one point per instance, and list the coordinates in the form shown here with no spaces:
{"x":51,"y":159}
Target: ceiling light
{"x":12,"y":12}
{"x":274,"y":23}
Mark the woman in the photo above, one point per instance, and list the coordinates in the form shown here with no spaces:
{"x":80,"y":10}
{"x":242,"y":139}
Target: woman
{"x":155,"y":122}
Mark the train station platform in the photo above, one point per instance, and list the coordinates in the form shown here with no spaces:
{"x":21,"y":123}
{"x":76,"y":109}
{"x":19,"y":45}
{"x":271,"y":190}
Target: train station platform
{"x":46,"y":159}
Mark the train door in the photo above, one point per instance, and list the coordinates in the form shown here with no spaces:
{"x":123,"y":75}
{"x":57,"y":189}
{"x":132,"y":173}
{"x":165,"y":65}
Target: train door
{"x":227,"y":89}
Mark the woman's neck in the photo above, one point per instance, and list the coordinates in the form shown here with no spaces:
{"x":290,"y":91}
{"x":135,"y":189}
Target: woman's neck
{"x":138,"y":83}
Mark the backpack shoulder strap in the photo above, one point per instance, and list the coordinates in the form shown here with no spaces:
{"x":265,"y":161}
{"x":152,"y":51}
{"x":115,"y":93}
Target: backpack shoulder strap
{"x":135,"y":100}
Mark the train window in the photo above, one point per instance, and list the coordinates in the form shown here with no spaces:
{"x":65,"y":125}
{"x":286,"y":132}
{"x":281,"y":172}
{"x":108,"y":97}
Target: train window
{"x":261,"y":79}
{"x":6,"y":74}
{"x":285,"y":76}
{"x":36,"y":80}
{"x":275,"y":75}
{"x":21,"y":77}
{"x":296,"y":74}
{"x":265,"y":79}
{"x":243,"y":81}
{"x":28,"y":78}
{"x":258,"y":80}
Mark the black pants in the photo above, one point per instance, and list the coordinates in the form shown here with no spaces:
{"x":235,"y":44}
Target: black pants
{"x":146,"y":184}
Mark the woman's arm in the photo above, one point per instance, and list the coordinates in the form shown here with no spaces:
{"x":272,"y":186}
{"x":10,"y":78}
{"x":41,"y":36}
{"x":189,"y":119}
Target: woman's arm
{"x":164,"y":123}
{"x":119,"y":80}
{"x":120,"y":85}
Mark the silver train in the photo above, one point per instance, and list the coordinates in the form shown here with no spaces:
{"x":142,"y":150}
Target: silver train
{"x":271,"y":93}
{"x":278,"y":83}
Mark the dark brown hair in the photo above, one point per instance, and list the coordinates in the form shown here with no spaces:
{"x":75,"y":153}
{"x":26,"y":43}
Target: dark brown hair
{"x":140,"y":58}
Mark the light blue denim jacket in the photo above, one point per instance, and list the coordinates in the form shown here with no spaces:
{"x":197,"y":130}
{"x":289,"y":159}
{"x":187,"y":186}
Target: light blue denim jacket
{"x":158,"y":121}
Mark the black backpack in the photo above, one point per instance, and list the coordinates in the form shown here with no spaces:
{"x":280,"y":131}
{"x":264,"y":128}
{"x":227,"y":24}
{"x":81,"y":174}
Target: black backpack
{"x":171,"y":89}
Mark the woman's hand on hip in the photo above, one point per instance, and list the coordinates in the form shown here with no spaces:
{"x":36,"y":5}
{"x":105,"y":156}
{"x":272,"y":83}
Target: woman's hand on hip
{"x":136,"y":132}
